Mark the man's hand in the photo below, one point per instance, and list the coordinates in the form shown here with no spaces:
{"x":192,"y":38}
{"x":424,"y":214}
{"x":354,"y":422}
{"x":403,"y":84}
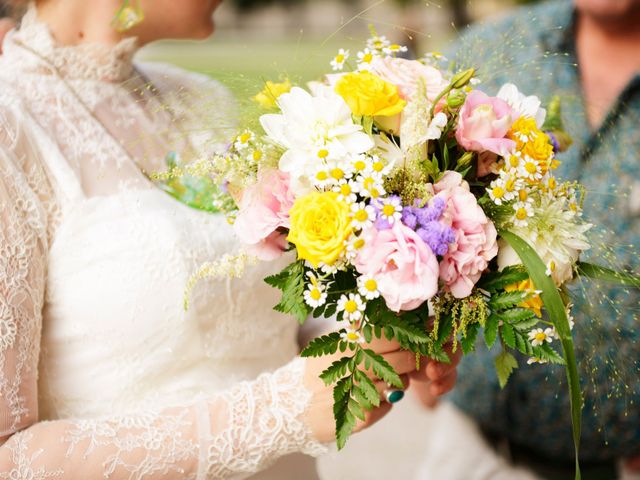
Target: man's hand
{"x":6,"y":24}
{"x":435,"y":379}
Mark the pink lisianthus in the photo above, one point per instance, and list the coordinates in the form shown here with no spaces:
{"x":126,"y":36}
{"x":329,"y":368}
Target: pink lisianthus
{"x":264,"y":209}
{"x":484,"y":123}
{"x":476,"y":236}
{"x":404,"y":267}
{"x":406,"y":75}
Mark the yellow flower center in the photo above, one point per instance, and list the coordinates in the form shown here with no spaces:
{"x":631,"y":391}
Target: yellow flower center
{"x":315,"y":294}
{"x":353,"y":336}
{"x":359,"y":165}
{"x":361,"y":215}
{"x":337,"y":173}
{"x":523,"y":195}
{"x":350,"y":306}
{"x":552,"y":266}
{"x":371,"y":285}
{"x":374,"y":193}
{"x":322,"y":176}
{"x":378,"y":166}
{"x":510,"y":184}
{"x":521,"y":214}
{"x":324,"y":153}
{"x":552,"y":183}
{"x":257,"y":155}
{"x":531,"y":167}
{"x":339,"y":58}
{"x":358,"y":244}
{"x":245,"y":137}
{"x":367,"y":58}
{"x":541,"y":336}
{"x":498,"y":192}
{"x":345,"y":190}
{"x":388,"y":210}
{"x":514,"y":161}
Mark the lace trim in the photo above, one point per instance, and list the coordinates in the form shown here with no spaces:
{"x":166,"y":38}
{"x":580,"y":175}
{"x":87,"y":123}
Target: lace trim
{"x":89,"y":61}
{"x":266,"y":421}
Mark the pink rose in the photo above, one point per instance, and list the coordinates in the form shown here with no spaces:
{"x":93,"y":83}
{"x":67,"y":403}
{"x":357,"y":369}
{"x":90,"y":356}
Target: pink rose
{"x":483,"y":124}
{"x":404,"y":267}
{"x":406,"y":75}
{"x":476,"y":236}
{"x":264,"y":209}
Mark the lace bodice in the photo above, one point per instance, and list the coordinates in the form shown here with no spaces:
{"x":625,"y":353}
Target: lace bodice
{"x":102,"y":372}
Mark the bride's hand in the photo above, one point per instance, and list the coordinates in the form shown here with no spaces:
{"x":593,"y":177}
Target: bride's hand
{"x":435,"y":379}
{"x":6,"y":24}
{"x":320,"y":412}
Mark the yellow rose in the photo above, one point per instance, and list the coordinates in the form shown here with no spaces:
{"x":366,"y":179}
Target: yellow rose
{"x":320,"y":224}
{"x":267,"y":98}
{"x":370,"y":96}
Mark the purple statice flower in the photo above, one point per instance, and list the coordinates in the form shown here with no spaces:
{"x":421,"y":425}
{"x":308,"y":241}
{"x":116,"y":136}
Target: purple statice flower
{"x":425,"y":221}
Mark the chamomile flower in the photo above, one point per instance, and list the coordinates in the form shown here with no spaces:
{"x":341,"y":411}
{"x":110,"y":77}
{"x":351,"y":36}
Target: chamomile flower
{"x":347,"y":191}
{"x":351,"y":335}
{"x":361,"y":164}
{"x":243,"y":140}
{"x":315,"y":295}
{"x":371,"y":185}
{"x":352,"y":306}
{"x":551,"y":267}
{"x":256,"y":155}
{"x":497,"y":191}
{"x":395,"y":49}
{"x":363,"y":215}
{"x":368,"y":287}
{"x":437,"y":56}
{"x":524,"y":211}
{"x":338,"y":61}
{"x":533,"y":360}
{"x":538,"y":336}
{"x":355,"y":243}
{"x":340,"y":171}
{"x":365,"y":58}
{"x":322,"y":177}
{"x":390,"y":209}
{"x":530,"y":169}
{"x":378,"y":166}
{"x":377,"y":43}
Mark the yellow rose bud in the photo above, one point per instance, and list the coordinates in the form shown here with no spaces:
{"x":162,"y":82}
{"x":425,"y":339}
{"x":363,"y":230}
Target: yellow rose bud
{"x":268,"y":97}
{"x":369,"y":95}
{"x":320,"y":224}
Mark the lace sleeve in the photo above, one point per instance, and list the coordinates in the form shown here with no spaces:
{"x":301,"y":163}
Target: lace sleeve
{"x":23,"y":246}
{"x":232,"y":435}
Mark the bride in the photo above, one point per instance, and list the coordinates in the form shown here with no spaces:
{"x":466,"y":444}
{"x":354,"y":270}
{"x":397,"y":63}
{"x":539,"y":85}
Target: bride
{"x":102,"y":372}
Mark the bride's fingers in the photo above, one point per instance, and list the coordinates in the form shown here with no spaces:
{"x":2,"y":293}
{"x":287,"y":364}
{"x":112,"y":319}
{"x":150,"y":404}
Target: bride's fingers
{"x":382,"y":345}
{"x":372,"y":416}
{"x":382,"y":387}
{"x":444,"y":384}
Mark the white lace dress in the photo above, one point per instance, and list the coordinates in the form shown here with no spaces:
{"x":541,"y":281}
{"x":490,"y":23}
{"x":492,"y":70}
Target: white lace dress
{"x":102,"y":372}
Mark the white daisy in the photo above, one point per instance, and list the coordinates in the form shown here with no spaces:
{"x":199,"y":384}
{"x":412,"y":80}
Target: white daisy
{"x":243,"y":140}
{"x":394,"y":49}
{"x":530,"y":169}
{"x":497,"y":191}
{"x":363,"y":215}
{"x":355,"y":243}
{"x":352,"y":335}
{"x":391,"y":209}
{"x":371,"y":185}
{"x":365,"y":58}
{"x":352,"y":306}
{"x":315,"y":295}
{"x":368,"y":287}
{"x":524,"y":211}
{"x":538,"y":336}
{"x":338,"y":61}
{"x":347,"y":191}
{"x":377,"y":43}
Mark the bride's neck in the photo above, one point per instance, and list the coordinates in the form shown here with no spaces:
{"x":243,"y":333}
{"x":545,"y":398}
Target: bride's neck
{"x":76,"y":22}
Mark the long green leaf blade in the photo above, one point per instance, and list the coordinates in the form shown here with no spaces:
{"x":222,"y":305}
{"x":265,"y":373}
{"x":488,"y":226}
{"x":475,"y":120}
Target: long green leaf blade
{"x":556,"y":309}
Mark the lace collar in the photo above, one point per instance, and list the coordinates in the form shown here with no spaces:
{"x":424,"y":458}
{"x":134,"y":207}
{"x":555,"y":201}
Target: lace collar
{"x":90,"y":61}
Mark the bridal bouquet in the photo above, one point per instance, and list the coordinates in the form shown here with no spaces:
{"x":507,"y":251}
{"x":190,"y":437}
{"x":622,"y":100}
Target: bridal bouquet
{"x":420,"y":209}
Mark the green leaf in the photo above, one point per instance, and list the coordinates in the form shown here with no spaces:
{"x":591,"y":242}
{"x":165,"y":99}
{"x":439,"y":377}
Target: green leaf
{"x":557,"y":314}
{"x":468,"y":342}
{"x":505,"y":364}
{"x":325,"y":345}
{"x":367,"y":333}
{"x":491,"y":330}
{"x":355,"y":409}
{"x":381,"y":368}
{"x":508,"y":335}
{"x":516,"y":315}
{"x":336,"y":370}
{"x":291,"y":282}
{"x":367,"y":387}
{"x":495,"y":281}
{"x":526,"y":325}
{"x":601,"y":273}
{"x":546,"y":352}
{"x":505,"y":300}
